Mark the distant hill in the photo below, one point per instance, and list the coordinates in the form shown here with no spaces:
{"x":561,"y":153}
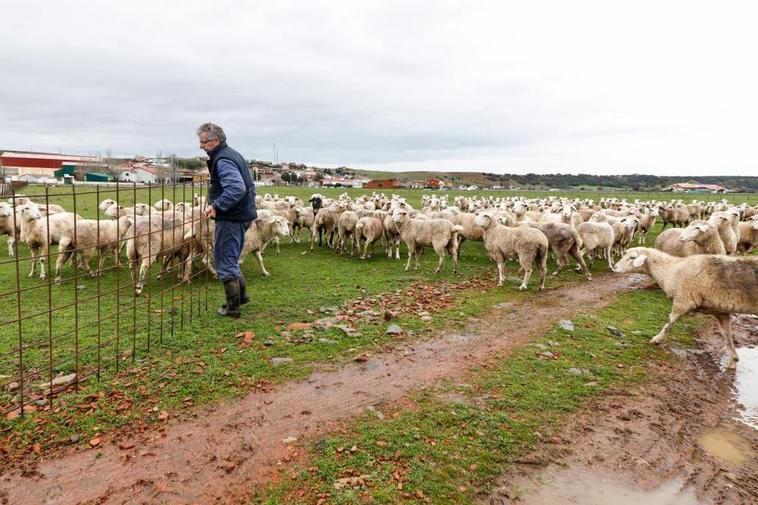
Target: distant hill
{"x":633,"y":182}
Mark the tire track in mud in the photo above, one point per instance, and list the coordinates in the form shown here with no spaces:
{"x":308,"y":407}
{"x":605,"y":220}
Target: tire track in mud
{"x":230,"y":447}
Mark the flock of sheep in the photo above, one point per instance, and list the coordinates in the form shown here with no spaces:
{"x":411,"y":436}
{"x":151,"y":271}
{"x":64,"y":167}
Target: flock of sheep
{"x":526,"y":230}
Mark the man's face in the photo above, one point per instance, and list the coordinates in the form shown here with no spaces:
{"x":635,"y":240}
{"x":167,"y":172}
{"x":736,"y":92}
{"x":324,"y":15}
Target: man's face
{"x":207,"y":145}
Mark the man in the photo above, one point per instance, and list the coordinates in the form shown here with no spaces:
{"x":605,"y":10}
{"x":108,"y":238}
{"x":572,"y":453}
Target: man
{"x":231,"y":200}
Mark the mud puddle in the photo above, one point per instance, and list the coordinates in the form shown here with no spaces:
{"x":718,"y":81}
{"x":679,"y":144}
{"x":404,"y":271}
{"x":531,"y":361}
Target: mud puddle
{"x":725,"y":444}
{"x":595,"y":488}
{"x":746,"y":385}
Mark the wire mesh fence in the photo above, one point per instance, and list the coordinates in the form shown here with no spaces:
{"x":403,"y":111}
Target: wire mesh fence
{"x":66,"y":318}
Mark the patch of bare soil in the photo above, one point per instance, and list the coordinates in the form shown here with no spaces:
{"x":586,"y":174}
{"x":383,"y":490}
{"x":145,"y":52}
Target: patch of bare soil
{"x":220,"y":455}
{"x":676,"y":438}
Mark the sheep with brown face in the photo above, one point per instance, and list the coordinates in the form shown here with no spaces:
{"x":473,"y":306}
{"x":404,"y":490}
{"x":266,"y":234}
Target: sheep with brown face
{"x":502,"y":242}
{"x":713,"y":283}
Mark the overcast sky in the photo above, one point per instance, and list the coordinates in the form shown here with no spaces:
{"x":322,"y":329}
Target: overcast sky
{"x":607,"y":87}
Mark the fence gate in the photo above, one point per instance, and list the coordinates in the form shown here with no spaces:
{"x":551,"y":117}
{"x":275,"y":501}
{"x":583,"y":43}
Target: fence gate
{"x":73,"y":306}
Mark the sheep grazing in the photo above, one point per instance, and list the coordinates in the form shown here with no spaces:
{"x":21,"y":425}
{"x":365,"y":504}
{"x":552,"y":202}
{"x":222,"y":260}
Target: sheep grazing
{"x":441,"y":234}
{"x":370,"y":229}
{"x":530,"y":245}
{"x":262,"y":231}
{"x":718,"y":284}
{"x":563,"y":239}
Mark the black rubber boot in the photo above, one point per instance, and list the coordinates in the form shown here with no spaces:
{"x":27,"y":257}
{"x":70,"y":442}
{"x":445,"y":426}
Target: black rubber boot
{"x":232,"y":307}
{"x":243,"y":291}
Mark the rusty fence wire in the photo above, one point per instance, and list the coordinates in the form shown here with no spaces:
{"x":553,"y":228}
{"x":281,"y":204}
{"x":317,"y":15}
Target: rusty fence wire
{"x":93,"y":277}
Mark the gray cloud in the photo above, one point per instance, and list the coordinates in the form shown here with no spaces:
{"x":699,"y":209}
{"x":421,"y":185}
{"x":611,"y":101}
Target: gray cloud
{"x":452,"y":85}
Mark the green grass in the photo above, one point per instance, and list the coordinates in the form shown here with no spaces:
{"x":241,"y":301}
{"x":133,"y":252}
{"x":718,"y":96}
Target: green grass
{"x":462,"y":434}
{"x":165,"y":360}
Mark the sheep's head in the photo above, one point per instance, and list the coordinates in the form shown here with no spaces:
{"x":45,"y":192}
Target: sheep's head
{"x":281,"y":226}
{"x":399,"y":215}
{"x":141,"y":209}
{"x":694,"y":231}
{"x":5,"y":210}
{"x":115,"y":211}
{"x":718,"y":218}
{"x":31,"y":213}
{"x":754,"y":222}
{"x":633,"y":261}
{"x":163,"y":205}
{"x":106,"y":204}
{"x":483,"y":220}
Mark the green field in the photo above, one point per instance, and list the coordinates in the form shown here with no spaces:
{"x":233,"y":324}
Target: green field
{"x":168,"y":347}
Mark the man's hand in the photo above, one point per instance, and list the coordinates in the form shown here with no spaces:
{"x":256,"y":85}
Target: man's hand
{"x":210,"y":212}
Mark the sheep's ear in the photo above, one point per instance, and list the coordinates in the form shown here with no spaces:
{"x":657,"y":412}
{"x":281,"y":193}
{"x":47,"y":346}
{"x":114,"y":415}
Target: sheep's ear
{"x":639,"y":261}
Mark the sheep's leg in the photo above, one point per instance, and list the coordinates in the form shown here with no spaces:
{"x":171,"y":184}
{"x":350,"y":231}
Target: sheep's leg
{"x":397,"y":249}
{"x":725,"y":325}
{"x":11,"y":242}
{"x":143,"y":268}
{"x":33,"y":254}
{"x":500,"y":272}
{"x":64,"y":252}
{"x":277,"y":242}
{"x":526,"y":266}
{"x":417,"y":253}
{"x":677,"y":311}
{"x":365,"y":249}
{"x":441,"y":253}
{"x":610,"y":258}
{"x":561,"y":261}
{"x":577,"y":254}
{"x":259,"y":257}
{"x":411,"y":250}
{"x":452,"y":249}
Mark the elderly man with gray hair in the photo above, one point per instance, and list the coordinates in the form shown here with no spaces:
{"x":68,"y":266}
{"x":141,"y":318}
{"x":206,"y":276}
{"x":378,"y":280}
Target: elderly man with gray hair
{"x":231,"y":199}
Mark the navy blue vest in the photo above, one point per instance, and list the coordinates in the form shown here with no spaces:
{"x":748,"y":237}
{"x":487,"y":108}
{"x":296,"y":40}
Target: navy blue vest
{"x":244,"y":210}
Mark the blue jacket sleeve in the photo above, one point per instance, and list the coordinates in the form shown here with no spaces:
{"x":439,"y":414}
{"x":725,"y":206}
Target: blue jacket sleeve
{"x":233,"y":187}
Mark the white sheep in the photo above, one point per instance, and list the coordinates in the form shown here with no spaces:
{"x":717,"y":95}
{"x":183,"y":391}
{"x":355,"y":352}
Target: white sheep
{"x":262,"y":231}
{"x":718,"y":284}
{"x":370,"y":229}
{"x":441,"y":234}
{"x":41,"y":231}
{"x":530,"y":245}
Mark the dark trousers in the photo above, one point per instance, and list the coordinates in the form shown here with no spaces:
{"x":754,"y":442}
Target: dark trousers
{"x":230,"y":236}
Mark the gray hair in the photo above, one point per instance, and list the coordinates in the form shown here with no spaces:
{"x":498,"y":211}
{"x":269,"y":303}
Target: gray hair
{"x":214,"y":131}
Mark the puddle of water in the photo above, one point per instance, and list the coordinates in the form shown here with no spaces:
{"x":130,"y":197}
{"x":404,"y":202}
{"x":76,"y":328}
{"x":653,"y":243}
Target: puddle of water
{"x":591,"y":488}
{"x":726,"y":445}
{"x":746,"y":384}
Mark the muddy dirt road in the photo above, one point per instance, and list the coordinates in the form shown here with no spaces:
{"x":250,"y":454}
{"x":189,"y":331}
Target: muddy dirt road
{"x":218,"y":456}
{"x":680,"y":441}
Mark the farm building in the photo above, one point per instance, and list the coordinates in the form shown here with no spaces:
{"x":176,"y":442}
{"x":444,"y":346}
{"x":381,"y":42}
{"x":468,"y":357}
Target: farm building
{"x":136,"y":173}
{"x":41,"y":165}
{"x":684,"y":187}
{"x":382,"y":184}
{"x":434,"y":183}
